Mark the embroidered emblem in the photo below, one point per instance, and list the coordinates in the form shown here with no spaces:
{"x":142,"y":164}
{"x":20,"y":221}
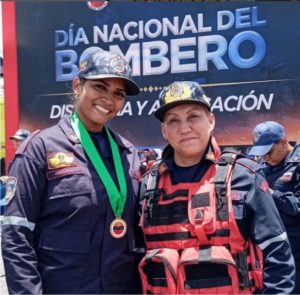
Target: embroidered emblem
{"x":10,"y":187}
{"x":60,"y":160}
{"x":286,"y":177}
{"x":117,"y":65}
{"x":264,"y":186}
{"x":176,"y":90}
{"x":256,"y":136}
{"x":235,"y":195}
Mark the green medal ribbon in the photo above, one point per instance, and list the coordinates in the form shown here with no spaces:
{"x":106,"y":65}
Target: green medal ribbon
{"x":117,"y":199}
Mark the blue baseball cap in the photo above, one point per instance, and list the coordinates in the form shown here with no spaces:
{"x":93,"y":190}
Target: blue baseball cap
{"x":21,"y":134}
{"x":265,"y":135}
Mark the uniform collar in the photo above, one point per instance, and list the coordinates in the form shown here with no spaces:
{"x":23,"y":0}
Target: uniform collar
{"x":65,"y":125}
{"x":294,"y":155}
{"x":212,"y":153}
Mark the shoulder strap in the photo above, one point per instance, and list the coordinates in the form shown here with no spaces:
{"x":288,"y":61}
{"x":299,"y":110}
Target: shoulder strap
{"x":223,"y":171}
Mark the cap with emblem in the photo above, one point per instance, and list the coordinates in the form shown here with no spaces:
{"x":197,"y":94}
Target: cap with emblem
{"x":265,"y":135}
{"x":21,"y":134}
{"x":178,"y":93}
{"x":99,"y":64}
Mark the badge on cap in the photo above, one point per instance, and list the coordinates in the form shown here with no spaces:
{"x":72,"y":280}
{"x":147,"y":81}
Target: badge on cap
{"x":176,"y":90}
{"x":256,"y":136}
{"x":118,"y":228}
{"x":117,"y":64}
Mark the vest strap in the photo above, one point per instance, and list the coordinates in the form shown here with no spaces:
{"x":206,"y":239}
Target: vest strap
{"x":224,"y":169}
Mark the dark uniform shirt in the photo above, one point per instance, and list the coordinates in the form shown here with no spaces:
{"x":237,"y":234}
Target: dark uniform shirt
{"x":255,"y":213}
{"x":56,"y":230}
{"x":284,"y":179}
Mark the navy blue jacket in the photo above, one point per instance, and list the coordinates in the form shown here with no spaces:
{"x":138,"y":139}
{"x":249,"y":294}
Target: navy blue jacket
{"x":56,"y":236}
{"x":255,"y":212}
{"x":284,"y":179}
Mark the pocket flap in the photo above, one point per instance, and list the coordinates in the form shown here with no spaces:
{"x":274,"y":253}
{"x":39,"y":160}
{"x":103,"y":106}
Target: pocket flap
{"x":65,"y":241}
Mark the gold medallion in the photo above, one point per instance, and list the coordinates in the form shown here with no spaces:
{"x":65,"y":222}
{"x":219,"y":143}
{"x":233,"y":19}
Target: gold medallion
{"x":118,"y":228}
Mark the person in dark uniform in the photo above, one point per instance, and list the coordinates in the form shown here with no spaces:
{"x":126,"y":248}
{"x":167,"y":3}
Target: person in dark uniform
{"x":69,"y":220}
{"x":281,"y":163}
{"x":207,"y":208}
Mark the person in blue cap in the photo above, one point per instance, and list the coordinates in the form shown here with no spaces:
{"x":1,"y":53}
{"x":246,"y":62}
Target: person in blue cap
{"x":68,"y":226}
{"x":209,"y":222}
{"x":20,"y":136}
{"x":281,"y":162}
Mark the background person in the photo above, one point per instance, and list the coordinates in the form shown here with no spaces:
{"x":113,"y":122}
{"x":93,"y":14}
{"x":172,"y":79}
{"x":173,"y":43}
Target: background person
{"x":68,"y":224}
{"x":19,"y":137}
{"x":192,"y":215}
{"x":281,"y":162}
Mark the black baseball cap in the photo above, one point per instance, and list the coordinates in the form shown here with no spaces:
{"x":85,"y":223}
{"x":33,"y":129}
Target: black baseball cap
{"x":181,"y":92}
{"x":99,"y":64}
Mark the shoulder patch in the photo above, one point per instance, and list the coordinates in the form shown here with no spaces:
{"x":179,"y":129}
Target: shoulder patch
{"x":286,"y":177}
{"x":10,"y":187}
{"x":264,"y":186}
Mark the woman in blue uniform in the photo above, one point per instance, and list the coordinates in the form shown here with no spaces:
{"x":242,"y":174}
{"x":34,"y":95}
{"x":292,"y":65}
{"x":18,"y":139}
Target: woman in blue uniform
{"x":68,"y":225}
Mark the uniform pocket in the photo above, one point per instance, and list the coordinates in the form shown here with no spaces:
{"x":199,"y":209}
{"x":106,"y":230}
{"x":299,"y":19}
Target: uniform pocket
{"x":70,"y":181}
{"x":69,"y":201}
{"x":158,"y":271}
{"x":62,"y":259}
{"x":207,"y":271}
{"x":65,"y":241}
{"x":202,"y":212}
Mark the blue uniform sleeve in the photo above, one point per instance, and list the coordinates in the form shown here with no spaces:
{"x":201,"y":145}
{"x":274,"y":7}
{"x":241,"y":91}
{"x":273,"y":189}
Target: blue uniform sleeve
{"x":268,"y":232}
{"x":288,"y":202}
{"x":19,"y":225}
{"x":288,"y":199}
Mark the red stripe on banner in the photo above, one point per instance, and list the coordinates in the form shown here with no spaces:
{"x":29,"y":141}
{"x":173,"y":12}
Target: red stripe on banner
{"x":10,"y":74}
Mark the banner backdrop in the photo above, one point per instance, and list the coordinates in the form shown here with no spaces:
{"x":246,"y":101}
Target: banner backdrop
{"x":245,"y":54}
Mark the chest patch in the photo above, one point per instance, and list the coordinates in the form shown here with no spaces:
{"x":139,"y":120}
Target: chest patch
{"x":264,"y":186}
{"x":60,"y":160}
{"x":286,"y":177}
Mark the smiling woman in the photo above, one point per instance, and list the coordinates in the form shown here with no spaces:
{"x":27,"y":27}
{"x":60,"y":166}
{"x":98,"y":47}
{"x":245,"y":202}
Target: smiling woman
{"x":191,"y":219}
{"x":86,"y":175}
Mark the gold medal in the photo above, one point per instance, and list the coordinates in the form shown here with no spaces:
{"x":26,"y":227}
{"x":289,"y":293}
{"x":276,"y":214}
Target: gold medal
{"x":118,"y":228}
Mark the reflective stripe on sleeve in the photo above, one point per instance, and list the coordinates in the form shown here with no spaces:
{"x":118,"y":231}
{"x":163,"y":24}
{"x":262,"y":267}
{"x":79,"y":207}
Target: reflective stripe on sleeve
{"x":16,"y":220}
{"x":279,"y":238}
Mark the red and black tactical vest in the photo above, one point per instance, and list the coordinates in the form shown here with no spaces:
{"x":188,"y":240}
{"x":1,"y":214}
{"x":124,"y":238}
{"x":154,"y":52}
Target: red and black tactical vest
{"x":193,"y":241}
